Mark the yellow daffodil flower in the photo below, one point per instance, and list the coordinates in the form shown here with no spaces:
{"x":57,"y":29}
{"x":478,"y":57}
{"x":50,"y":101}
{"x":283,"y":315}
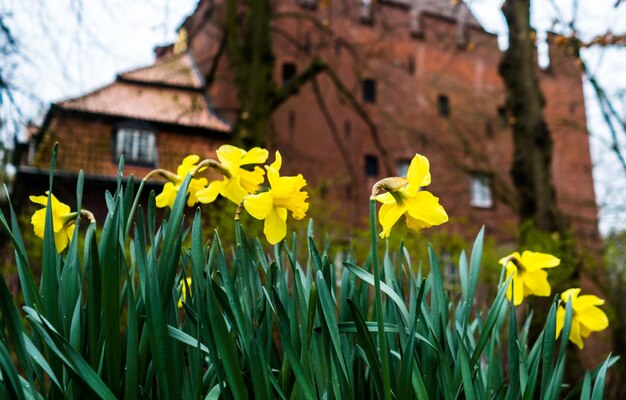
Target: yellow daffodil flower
{"x":62,"y":220}
{"x":167,"y":197}
{"x":183,"y":293}
{"x":528,"y":274}
{"x":586,"y":318}
{"x":284,"y":194}
{"x":241,"y":182}
{"x":404,"y":197}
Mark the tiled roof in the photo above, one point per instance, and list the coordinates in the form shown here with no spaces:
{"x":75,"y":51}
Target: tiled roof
{"x":176,"y":70}
{"x":451,"y":9}
{"x":164,"y":92}
{"x":151,"y":103}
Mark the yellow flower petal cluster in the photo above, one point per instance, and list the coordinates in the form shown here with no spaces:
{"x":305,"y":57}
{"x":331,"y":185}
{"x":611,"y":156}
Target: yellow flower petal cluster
{"x":272,"y":206}
{"x":62,"y":220}
{"x":529,"y":277}
{"x":420,"y":208}
{"x":587,"y":317}
{"x":241,"y":181}
{"x":167,"y":197}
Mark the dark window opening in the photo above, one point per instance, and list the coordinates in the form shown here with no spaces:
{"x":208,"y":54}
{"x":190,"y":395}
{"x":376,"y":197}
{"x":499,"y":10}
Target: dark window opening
{"x":289,"y":72}
{"x":369,"y":91}
{"x":371,"y":166}
{"x":443,"y":104}
{"x":347,"y":129}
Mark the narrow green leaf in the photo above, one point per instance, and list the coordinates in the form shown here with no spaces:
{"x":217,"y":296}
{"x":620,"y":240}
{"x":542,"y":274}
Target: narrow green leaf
{"x":598,"y":385}
{"x":547,"y":351}
{"x":369,"y":278}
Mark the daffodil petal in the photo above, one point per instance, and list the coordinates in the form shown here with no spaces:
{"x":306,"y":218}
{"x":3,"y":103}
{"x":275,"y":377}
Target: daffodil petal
{"x":275,"y":227}
{"x":195,"y":186}
{"x":593,"y":318}
{"x":533,"y":260}
{"x":209,"y":194}
{"x":42,"y":200}
{"x":425,"y":207}
{"x":259,"y":205}
{"x":586,"y":301}
{"x":388,"y":215}
{"x":167,"y":196}
{"x":385,"y":198}
{"x":255,"y":155}
{"x":419,"y":174}
{"x":570,"y":294}
{"x":230,"y":155}
{"x":518,"y":286}
{"x":278,"y":162}
{"x":575,"y":336}
{"x":39,"y":221}
{"x":233,"y":191}
{"x":537,"y":282}
{"x":61,"y":240}
{"x":560,"y":320}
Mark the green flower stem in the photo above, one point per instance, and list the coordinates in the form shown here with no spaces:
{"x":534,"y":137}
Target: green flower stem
{"x":378,"y":303}
{"x":131,"y":214}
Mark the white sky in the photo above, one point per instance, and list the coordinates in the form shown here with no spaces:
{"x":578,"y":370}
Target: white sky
{"x":69,"y":47}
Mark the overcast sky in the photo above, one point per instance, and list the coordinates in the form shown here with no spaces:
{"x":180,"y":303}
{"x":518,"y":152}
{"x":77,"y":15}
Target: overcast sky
{"x":69,"y":47}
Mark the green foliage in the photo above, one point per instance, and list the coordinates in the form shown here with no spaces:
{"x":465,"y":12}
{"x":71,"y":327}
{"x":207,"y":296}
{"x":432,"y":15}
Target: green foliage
{"x":258,"y":322}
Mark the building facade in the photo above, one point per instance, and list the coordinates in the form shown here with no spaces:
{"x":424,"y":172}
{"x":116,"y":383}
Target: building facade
{"x":403,"y":77}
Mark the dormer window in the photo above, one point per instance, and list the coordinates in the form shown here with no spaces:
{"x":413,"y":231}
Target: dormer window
{"x":137,"y":145}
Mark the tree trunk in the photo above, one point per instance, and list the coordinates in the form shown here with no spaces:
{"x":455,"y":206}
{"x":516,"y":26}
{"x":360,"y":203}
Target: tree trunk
{"x":531,"y":170}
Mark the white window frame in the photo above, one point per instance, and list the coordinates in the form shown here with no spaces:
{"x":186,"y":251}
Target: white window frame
{"x":481,"y":195}
{"x":402,"y":168}
{"x":129,"y":141}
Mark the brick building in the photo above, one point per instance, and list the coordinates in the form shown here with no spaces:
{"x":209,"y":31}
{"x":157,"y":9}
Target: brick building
{"x":416,"y":76}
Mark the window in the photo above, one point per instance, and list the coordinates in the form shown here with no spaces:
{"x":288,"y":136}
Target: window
{"x":369,"y":91}
{"x":443,"y":104}
{"x":288,"y":72}
{"x":137,"y":145}
{"x":371,"y":166}
{"x":480,"y":191}
{"x":402,"y":168}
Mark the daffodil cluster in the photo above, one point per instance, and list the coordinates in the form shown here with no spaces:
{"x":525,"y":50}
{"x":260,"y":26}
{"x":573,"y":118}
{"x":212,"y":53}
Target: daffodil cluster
{"x":530,"y":278}
{"x":241,"y":180}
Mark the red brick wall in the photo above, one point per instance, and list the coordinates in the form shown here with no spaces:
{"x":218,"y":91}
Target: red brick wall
{"x":406,"y":115}
{"x":89,"y":145}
